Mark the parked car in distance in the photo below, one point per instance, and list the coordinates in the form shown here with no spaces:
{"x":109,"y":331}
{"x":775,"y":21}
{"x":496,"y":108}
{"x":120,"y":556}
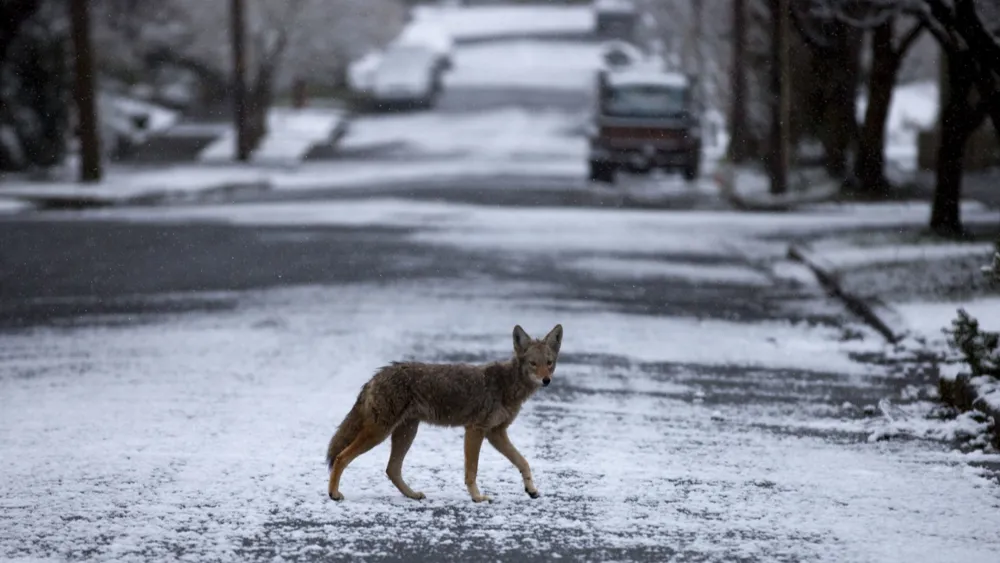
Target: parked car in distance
{"x":431,"y":37}
{"x":615,"y":19}
{"x":406,"y":76}
{"x":644,"y":119}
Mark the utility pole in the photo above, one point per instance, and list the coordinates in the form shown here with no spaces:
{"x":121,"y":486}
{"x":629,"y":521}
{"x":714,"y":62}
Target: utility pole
{"x":781,"y":82}
{"x":236,"y":28}
{"x":738,"y":86}
{"x":86,"y":110}
{"x":699,"y":62}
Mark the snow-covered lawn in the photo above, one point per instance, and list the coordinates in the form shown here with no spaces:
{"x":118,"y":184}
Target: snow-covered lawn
{"x":290,"y":135}
{"x":929,"y":319}
{"x":914,"y":108}
{"x":483,"y":22}
{"x":526,"y":63}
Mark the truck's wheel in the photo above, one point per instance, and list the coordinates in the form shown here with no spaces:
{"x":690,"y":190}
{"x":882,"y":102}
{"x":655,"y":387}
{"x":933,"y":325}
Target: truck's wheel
{"x":602,"y":172}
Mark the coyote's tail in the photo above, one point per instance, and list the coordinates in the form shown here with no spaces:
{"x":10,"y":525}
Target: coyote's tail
{"x":347,"y":430}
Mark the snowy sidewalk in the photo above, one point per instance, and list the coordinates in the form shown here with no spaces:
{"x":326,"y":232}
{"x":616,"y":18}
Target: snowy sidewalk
{"x":910,"y":286}
{"x":125,"y":186}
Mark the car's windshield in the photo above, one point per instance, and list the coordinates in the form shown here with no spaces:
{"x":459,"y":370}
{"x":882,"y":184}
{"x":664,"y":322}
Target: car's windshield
{"x":645,"y":101}
{"x":402,"y":57}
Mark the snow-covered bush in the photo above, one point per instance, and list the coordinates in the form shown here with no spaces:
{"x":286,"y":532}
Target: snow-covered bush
{"x":980,"y":349}
{"x":993,"y":270}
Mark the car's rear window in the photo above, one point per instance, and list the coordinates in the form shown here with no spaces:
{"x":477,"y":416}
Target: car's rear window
{"x":641,"y":100}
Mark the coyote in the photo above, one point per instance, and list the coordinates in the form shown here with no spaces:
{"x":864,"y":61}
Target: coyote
{"x":485,"y":399}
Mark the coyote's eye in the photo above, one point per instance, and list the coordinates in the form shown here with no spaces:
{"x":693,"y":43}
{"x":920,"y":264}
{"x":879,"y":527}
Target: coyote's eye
{"x":532,"y":363}
{"x":550,"y":363}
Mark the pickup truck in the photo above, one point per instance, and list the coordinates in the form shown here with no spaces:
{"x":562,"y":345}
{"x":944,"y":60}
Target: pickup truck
{"x":642,"y":120}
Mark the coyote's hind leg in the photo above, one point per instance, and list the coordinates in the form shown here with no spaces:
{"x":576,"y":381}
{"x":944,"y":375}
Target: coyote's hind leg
{"x":402,"y":439}
{"x":368,"y":438}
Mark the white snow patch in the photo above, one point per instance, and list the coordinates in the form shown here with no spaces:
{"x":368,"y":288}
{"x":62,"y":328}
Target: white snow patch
{"x":988,"y":390}
{"x":965,"y":427}
{"x":121,"y":184}
{"x":526,"y":63}
{"x":480,"y":22}
{"x":637,"y":269}
{"x":509,"y":133}
{"x":290,"y":135}
{"x":951,"y":371}
{"x":859,"y":257}
{"x":931,"y":318}
{"x":13,"y":206}
{"x":914,"y":108}
{"x":436,"y":171}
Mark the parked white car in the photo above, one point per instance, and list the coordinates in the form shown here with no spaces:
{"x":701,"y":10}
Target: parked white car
{"x":428,"y":36}
{"x":361,"y":72}
{"x":406,"y":76}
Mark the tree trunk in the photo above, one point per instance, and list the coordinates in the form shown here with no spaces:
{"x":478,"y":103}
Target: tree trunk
{"x":841,"y":120}
{"x":738,"y":134}
{"x":258,"y":104}
{"x":243,"y":143}
{"x":946,"y":219}
{"x":959,"y":118}
{"x":870,"y":164}
{"x":90,"y":147}
{"x":780,"y":138}
{"x":13,"y":13}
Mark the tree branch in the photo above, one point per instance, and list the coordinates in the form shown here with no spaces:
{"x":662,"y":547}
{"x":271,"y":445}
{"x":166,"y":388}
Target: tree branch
{"x":968,"y":23}
{"x":909,"y":38}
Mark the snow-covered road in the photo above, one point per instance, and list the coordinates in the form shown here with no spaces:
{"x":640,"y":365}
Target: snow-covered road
{"x":708,"y":405}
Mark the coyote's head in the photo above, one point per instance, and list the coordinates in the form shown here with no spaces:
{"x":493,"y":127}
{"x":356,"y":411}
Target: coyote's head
{"x":537,"y":358}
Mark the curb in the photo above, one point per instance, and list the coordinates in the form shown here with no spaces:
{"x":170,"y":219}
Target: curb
{"x":152,"y":197}
{"x":875,"y":314}
{"x":724,"y":178}
{"x":960,"y":390}
{"x":966,"y":393}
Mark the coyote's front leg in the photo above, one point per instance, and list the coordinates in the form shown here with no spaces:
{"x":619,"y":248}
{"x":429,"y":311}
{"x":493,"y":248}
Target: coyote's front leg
{"x":499,"y":439}
{"x":473,"y":444}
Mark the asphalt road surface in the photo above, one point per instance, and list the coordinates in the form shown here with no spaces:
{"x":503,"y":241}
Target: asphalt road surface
{"x":170,"y":377}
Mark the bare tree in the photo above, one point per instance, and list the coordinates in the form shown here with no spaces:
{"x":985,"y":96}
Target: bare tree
{"x":236,"y":25}
{"x":738,"y":134}
{"x":86,"y":107}
{"x":966,"y":31}
{"x":887,"y":54}
{"x":781,"y":111}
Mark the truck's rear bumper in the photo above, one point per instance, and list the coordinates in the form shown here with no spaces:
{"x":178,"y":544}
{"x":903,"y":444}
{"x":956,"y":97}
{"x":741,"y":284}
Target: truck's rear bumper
{"x":645,"y":156}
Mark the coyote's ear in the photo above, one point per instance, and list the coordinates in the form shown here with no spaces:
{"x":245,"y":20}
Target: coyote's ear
{"x":521,"y":340}
{"x":554,"y":338}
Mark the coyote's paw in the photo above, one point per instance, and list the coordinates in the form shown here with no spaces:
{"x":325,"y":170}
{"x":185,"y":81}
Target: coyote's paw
{"x":417,"y":496}
{"x":336,"y":495}
{"x":532,"y":493}
{"x":481,"y":498}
